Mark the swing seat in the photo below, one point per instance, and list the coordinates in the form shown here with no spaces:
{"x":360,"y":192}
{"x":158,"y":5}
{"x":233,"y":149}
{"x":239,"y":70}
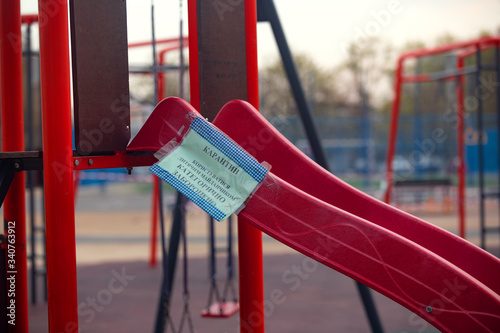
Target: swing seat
{"x":221,"y":310}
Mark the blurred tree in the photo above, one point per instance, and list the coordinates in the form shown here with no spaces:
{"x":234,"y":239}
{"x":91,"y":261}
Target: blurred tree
{"x":445,"y":38}
{"x":275,"y":93}
{"x":365,"y":73}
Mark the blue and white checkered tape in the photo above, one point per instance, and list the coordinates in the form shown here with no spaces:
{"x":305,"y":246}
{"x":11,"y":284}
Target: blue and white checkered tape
{"x":220,"y":141}
{"x":189,"y":193}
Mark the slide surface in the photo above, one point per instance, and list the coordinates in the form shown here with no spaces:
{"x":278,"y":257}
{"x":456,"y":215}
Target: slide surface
{"x":249,"y":129}
{"x":442,"y":278}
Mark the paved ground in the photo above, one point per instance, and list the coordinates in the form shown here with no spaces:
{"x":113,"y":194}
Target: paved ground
{"x":325,"y":301}
{"x":112,"y":232}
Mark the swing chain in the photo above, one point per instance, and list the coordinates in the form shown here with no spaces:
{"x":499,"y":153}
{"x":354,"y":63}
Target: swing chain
{"x":186,"y":315}
{"x":166,"y":318}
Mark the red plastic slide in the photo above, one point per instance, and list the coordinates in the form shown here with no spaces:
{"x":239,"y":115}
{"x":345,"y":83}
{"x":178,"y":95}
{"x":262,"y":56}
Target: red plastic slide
{"x":437,"y":275}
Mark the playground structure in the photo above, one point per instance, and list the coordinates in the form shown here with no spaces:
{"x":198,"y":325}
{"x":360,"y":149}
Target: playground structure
{"x":454,"y":114}
{"x":238,"y":120}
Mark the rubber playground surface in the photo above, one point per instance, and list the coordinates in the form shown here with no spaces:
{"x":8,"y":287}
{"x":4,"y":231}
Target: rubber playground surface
{"x":118,"y":289}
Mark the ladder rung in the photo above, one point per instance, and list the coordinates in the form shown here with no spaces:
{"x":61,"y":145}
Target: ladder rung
{"x":492,"y":229}
{"x":37,"y":256}
{"x":491,"y":195}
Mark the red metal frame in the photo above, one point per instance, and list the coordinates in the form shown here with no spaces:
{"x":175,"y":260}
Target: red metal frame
{"x":120,"y":159}
{"x":58,"y":169}
{"x":59,"y":162}
{"x":29,"y":19}
{"x":13,"y":140}
{"x":400,"y":78}
{"x":249,"y":238}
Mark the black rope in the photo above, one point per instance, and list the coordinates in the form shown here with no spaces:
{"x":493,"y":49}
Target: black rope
{"x":186,"y":315}
{"x":229,"y":288}
{"x":214,"y":290}
{"x":229,"y":285}
{"x":163,"y":318}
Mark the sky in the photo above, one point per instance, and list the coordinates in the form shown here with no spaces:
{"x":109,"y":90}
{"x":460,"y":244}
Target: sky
{"x":323,"y":28}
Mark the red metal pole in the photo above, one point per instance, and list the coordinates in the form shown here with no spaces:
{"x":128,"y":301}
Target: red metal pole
{"x":194,"y":72}
{"x":13,"y":140}
{"x":460,"y":143}
{"x":393,"y":130}
{"x":58,"y":168}
{"x":249,"y":238}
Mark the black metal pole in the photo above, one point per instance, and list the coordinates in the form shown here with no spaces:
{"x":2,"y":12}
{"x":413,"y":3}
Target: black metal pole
{"x":164,"y":298}
{"x":230,"y":248}
{"x":44,"y":250}
{"x":480,"y":128}
{"x":4,"y":302}
{"x":175,"y":236}
{"x":169,"y":258}
{"x":155,"y":63}
{"x":213,"y":264}
{"x":268,"y":12}
{"x":295,"y":84}
{"x":418,"y":128}
{"x":366,"y":133}
{"x":29,"y":174}
{"x":497,"y":63}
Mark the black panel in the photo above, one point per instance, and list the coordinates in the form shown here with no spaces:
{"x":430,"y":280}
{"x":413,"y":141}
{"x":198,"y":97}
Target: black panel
{"x":222,"y":54}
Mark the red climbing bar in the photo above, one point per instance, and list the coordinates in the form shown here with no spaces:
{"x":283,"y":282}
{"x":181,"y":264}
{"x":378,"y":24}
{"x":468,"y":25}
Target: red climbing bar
{"x":393,"y":129}
{"x":13,"y":140}
{"x":29,"y":19}
{"x":159,"y":41}
{"x":58,"y":168}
